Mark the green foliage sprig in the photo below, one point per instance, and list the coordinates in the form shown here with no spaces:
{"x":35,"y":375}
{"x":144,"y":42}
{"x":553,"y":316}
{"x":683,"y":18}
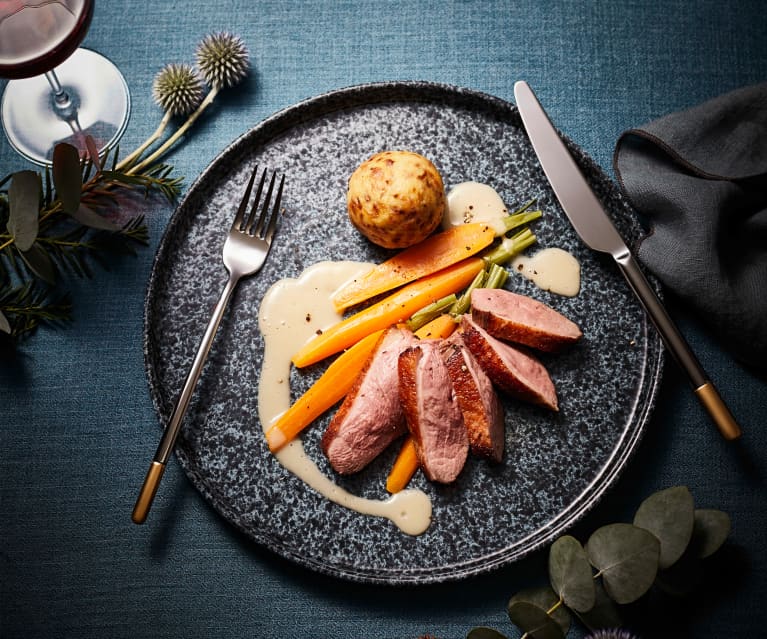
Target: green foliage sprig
{"x":65,"y":220}
{"x":663,"y":546}
{"x":61,"y":223}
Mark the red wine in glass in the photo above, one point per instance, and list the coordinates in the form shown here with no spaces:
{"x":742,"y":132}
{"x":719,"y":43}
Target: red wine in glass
{"x":38,"y":35}
{"x":57,"y":92}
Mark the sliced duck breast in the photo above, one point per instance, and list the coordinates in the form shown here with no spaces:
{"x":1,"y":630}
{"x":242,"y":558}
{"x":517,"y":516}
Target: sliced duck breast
{"x":511,"y":369}
{"x":432,"y":412}
{"x":371,"y":416}
{"x":521,"y":319}
{"x":481,"y":408}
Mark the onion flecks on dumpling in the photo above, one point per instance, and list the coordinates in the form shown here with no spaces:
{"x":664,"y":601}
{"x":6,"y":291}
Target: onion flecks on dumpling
{"x":396,"y":198}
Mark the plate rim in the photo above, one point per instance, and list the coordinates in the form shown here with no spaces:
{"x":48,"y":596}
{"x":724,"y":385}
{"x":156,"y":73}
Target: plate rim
{"x":350,"y":97}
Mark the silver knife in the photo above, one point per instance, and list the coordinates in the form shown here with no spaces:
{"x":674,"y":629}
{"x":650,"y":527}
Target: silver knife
{"x":595,"y":228}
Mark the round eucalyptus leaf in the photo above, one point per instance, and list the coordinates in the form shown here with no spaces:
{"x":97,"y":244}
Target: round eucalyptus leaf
{"x":24,"y":208}
{"x":528,"y":610}
{"x":627,"y":559}
{"x":712,"y":527}
{"x":570,"y":573}
{"x":604,"y":613}
{"x":67,"y":176}
{"x":668,"y":514}
{"x":482,"y":632}
{"x":90,"y":218}
{"x":534,"y":621}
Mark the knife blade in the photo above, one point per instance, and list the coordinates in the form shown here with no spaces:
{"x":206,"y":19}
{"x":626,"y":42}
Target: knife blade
{"x":593,"y":225}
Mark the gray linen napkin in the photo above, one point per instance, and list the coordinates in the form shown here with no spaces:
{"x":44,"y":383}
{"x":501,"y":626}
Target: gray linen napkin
{"x":699,"y":178}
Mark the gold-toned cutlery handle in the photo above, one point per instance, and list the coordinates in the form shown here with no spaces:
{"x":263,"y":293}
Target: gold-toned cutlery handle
{"x":714,"y":404}
{"x":147,"y":493}
{"x":170,"y":434}
{"x":679,"y":348}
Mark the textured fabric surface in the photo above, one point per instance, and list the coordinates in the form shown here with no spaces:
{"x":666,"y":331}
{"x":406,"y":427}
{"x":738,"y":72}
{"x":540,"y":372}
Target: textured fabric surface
{"x":78,"y":430}
{"x":700,"y":178}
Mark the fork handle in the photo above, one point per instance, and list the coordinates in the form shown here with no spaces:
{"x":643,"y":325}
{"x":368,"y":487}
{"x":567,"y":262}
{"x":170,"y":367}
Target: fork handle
{"x":170,"y":434}
{"x":148,"y":491}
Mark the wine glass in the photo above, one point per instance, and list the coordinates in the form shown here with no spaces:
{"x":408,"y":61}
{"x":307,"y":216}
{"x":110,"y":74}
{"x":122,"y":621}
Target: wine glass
{"x":57,"y":92}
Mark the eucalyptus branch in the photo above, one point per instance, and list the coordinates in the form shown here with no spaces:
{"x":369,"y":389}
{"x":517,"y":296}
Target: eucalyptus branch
{"x":559,"y":603}
{"x":618,"y":565}
{"x":52,"y":227}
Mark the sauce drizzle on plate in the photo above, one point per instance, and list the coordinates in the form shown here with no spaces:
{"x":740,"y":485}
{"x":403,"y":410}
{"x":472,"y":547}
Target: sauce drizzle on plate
{"x":291,"y":312}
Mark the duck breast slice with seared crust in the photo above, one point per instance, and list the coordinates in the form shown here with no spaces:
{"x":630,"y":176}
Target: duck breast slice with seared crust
{"x":482,"y":409}
{"x":370,"y":417}
{"x":521,"y":319}
{"x":432,"y":413}
{"x":511,"y":369}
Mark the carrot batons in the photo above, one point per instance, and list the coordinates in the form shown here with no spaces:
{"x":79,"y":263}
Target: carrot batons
{"x":395,"y":308}
{"x":428,"y":256}
{"x":329,"y":389}
{"x":404,"y":466}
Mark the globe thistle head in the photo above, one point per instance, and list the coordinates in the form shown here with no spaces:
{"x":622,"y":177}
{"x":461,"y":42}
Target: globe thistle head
{"x":177,"y":88}
{"x":611,"y":633}
{"x":222,"y":59}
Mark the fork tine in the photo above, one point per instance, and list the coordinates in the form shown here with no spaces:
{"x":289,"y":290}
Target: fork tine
{"x":275,"y":209}
{"x":264,"y":208}
{"x":236,"y":224}
{"x":248,"y":225}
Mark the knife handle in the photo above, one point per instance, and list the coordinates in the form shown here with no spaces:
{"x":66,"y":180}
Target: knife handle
{"x":676,"y":344}
{"x":714,"y":404}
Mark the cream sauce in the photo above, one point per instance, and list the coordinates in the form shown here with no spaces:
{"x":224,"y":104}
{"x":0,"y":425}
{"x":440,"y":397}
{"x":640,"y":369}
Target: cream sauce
{"x":292,"y":311}
{"x":552,"y":269}
{"x":474,"y":202}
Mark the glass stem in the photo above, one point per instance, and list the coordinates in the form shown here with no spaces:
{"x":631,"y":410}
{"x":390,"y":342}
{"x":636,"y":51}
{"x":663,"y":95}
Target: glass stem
{"x":58,"y":91}
{"x":63,"y":104}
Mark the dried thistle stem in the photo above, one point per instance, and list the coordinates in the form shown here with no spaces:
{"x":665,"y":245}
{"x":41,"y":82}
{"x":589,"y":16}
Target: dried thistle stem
{"x":173,"y":138}
{"x":129,"y":159}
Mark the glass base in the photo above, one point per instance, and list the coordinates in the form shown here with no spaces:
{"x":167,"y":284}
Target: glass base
{"x":98,"y":106}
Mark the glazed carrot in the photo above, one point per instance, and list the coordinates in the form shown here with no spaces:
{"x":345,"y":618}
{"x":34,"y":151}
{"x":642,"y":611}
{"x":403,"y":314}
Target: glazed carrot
{"x":407,"y":460}
{"x":395,"y":308}
{"x":404,"y":466}
{"x":440,"y":327}
{"x":429,"y":256}
{"x":329,"y":389}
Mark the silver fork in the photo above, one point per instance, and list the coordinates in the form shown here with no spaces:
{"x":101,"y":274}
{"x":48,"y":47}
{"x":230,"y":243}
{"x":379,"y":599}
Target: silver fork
{"x":245,"y":251}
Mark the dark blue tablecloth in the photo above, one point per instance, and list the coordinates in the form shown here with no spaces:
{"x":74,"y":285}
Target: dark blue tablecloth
{"x":77,"y":426}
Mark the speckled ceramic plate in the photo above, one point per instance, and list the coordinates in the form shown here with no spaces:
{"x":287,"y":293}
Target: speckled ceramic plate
{"x":556,"y":466}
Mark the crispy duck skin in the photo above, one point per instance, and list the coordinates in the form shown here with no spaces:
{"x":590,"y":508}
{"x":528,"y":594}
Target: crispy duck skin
{"x":480,"y":405}
{"x":513,"y":370}
{"x":371,"y":416}
{"x":521,"y":319}
{"x":433,"y":416}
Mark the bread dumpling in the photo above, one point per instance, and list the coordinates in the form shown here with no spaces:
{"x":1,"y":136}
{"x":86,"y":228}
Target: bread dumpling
{"x":396,"y":198}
